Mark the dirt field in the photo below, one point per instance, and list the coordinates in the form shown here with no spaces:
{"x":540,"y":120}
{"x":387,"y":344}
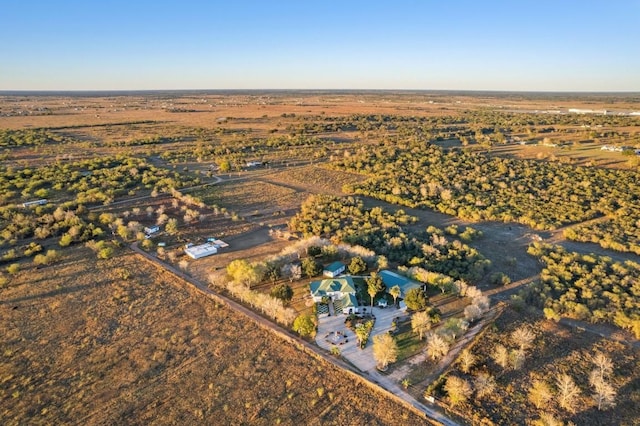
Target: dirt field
{"x":136,"y":347}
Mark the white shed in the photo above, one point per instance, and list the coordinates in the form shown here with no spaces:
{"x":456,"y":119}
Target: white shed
{"x":202,"y":250}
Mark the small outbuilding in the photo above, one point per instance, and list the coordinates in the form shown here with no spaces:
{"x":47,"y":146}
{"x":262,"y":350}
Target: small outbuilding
{"x":202,"y":250}
{"x":35,"y":203}
{"x":150,"y":230}
{"x":334,"y":269}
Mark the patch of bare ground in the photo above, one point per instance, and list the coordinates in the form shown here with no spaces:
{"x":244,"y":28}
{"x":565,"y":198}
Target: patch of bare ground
{"x":120,"y":341}
{"x":316,"y":179}
{"x":557,"y":349}
{"x":250,"y":196}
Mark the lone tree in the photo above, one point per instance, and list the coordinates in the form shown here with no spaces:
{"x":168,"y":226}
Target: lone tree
{"x":568,"y":392}
{"x":437,"y":346}
{"x":172,"y":226}
{"x":395,"y":293}
{"x":420,"y":323}
{"x":385,"y":350}
{"x":282,"y":292}
{"x":523,"y":337}
{"x":603,"y":365}
{"x":603,"y":393}
{"x":501,"y":356}
{"x":484,"y":384}
{"x":357,"y":266}
{"x":540,"y":394}
{"x":458,"y":389}
{"x":416,"y":299}
{"x":310,"y":267}
{"x":13,"y":269}
{"x":466,"y":360}
{"x":304,"y":325}
{"x":243,"y":272}
{"x":374,"y":285}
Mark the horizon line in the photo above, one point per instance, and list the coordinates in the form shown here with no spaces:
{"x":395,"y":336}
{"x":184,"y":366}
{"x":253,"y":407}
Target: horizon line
{"x":54,"y":91}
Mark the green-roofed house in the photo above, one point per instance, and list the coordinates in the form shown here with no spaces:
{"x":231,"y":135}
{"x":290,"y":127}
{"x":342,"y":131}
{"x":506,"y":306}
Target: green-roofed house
{"x":334,"y":269}
{"x":391,"y":279}
{"x":341,"y":291}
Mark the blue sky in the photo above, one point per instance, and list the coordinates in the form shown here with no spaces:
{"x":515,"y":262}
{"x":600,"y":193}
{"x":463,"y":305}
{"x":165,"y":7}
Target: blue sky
{"x":560,"y":45}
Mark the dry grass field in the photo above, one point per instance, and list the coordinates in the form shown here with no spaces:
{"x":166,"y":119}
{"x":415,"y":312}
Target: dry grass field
{"x":120,"y":341}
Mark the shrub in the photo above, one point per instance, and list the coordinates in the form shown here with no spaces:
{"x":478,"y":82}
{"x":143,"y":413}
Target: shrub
{"x":499,"y":278}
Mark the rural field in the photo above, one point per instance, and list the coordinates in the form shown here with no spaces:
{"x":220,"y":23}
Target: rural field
{"x":507,"y":211}
{"x":122,"y":341}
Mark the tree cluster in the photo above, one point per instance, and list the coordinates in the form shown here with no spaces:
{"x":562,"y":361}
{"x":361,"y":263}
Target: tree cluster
{"x":588,"y":287}
{"x":346,"y":219}
{"x":477,"y":187}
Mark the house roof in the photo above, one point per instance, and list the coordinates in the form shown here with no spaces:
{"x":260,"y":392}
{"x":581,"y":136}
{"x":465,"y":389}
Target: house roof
{"x":332,"y":285}
{"x":350,"y":301}
{"x":391,"y":279}
{"x":202,"y":250}
{"x":335,"y":266}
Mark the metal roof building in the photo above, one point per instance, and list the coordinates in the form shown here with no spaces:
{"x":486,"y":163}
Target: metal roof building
{"x":202,"y":250}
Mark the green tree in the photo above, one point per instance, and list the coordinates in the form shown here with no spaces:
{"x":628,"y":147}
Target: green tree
{"x":304,"y":325}
{"x":314,"y":251}
{"x":395,"y":293}
{"x":123,"y":232}
{"x":52,"y":256}
{"x":172,"y":226}
{"x":243,"y":272}
{"x":416,"y":299}
{"x":282,"y":291}
{"x":13,"y":269}
{"x":105,"y":253}
{"x":385,"y":350}
{"x":357,"y":266}
{"x":310,"y":267}
{"x":374,"y":285}
{"x":224,"y":165}
{"x":383,"y":262}
{"x":65,"y":240}
{"x":454,"y":327}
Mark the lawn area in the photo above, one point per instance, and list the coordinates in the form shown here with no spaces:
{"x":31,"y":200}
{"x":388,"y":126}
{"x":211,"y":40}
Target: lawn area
{"x":409,"y":343}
